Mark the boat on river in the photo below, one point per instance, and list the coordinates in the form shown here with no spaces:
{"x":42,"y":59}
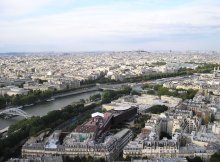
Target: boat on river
{"x":50,"y":99}
{"x":27,"y":105}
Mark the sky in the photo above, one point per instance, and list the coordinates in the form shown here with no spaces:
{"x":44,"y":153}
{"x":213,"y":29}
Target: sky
{"x":97,"y":25}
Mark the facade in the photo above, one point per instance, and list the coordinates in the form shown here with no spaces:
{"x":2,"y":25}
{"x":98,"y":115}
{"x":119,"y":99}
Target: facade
{"x":92,"y":138}
{"x":152,"y":149}
{"x":82,"y":145}
{"x":13,"y":90}
{"x":162,"y":160}
{"x":187,"y":137}
{"x":216,"y":128}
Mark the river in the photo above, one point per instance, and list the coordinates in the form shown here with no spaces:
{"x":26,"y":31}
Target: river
{"x":43,"y":108}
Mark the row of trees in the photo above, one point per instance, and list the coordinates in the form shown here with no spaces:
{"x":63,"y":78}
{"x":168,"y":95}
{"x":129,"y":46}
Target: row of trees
{"x":181,"y":93}
{"x":159,"y":63}
{"x":31,"y":97}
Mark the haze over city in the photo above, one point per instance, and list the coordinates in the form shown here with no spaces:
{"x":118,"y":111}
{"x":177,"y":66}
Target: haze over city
{"x":85,"y":25}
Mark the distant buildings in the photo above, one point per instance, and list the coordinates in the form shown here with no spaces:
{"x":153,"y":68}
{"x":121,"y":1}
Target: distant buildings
{"x":68,"y":70}
{"x":13,"y":90}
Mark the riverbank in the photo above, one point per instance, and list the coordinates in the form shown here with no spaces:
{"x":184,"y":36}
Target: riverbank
{"x":43,"y":108}
{"x":75,"y":92}
{"x":64,"y":94}
{"x":37,"y":96}
{"x":59,"y":95}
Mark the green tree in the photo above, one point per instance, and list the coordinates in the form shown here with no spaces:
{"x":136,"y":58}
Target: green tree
{"x":151,"y":92}
{"x":110,"y":95}
{"x":107,"y":96}
{"x":195,"y":159}
{"x":133,"y":92}
{"x":2,"y":103}
{"x":95,"y":97}
{"x":157,"y":109}
{"x":82,"y":101}
{"x":212,"y":118}
{"x":215,"y":157}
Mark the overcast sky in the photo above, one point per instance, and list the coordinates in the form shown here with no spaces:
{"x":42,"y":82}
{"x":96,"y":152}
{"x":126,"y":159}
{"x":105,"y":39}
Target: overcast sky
{"x":90,"y":25}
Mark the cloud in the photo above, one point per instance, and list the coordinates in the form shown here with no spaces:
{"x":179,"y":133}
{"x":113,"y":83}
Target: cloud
{"x":109,"y":23}
{"x":20,"y":7}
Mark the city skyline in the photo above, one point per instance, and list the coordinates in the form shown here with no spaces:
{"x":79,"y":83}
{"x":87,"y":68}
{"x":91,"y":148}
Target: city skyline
{"x":46,"y":25}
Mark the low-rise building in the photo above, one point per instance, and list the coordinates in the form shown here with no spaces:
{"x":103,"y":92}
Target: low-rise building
{"x":13,"y":90}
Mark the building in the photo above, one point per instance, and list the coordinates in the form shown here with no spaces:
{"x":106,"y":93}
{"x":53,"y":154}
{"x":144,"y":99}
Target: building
{"x":92,"y":138}
{"x":13,"y":90}
{"x":216,"y":128}
{"x":123,"y":113}
{"x":47,"y":158}
{"x":81,"y":144}
{"x":162,"y":160}
{"x":174,"y":134}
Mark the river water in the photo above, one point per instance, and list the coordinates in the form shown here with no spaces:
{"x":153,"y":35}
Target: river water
{"x":43,"y":108}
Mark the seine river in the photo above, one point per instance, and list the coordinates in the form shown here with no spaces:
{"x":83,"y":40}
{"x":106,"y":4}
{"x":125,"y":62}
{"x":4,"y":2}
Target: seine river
{"x":43,"y":108}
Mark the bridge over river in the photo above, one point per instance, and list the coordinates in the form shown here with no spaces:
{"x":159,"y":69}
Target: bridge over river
{"x":7,"y":113}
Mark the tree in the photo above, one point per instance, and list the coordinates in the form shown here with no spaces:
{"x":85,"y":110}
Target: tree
{"x":165,"y":134}
{"x":195,"y":159}
{"x":82,"y":101}
{"x":212,"y":118}
{"x":2,"y":103}
{"x":133,"y":92}
{"x":95,"y":97}
{"x":206,"y":118}
{"x":151,"y":92}
{"x":215,"y":157}
{"x":211,"y":93}
{"x":126,"y":90}
{"x":157,"y":109}
{"x":107,"y":96}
